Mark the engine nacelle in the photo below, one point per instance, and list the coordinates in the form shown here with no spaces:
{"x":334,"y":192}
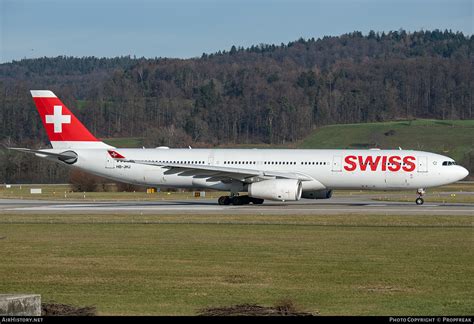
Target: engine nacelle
{"x":278,"y":189}
{"x":317,"y":194}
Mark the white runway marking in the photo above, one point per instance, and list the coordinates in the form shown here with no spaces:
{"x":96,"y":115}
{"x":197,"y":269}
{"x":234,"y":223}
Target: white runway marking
{"x":116,"y":208}
{"x":239,"y":209}
{"x":207,"y":206}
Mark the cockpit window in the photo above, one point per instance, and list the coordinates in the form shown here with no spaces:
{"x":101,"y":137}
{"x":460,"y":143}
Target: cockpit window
{"x":449,"y":163}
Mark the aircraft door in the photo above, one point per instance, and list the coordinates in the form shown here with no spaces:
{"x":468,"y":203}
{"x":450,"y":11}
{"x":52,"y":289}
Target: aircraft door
{"x":210,"y":160}
{"x":109,"y":162}
{"x":422,"y":164}
{"x":336,"y":163}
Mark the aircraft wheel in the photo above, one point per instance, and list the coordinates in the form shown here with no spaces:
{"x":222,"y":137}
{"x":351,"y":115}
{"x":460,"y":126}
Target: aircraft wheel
{"x":419,"y":201}
{"x":237,"y":201}
{"x":257,"y":201}
{"x":246,"y":200}
{"x":221,"y":199}
{"x":224,"y":200}
{"x":241,"y":200}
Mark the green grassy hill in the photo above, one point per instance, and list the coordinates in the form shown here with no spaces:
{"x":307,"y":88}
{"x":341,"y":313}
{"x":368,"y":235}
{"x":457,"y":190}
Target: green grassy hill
{"x":124,"y":142}
{"x":453,"y":138}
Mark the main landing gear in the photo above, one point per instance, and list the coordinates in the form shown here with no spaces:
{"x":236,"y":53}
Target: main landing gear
{"x":239,"y":200}
{"x":419,"y":200}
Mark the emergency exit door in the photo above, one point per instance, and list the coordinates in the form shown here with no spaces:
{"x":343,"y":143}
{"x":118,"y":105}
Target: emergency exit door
{"x":422,"y":164}
{"x":336,"y":163}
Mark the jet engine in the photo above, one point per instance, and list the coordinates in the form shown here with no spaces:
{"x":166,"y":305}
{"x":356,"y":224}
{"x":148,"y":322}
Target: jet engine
{"x":278,"y":189}
{"x":69,"y":157}
{"x":317,"y":194}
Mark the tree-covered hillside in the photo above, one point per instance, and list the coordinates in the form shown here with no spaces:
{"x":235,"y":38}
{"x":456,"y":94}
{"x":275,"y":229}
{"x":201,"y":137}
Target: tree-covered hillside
{"x":262,"y":94}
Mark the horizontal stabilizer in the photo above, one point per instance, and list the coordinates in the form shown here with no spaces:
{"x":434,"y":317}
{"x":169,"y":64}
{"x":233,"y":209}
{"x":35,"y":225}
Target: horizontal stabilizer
{"x":69,"y":157}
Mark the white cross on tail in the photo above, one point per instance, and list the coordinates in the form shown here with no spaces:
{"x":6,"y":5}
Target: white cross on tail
{"x":58,"y":119}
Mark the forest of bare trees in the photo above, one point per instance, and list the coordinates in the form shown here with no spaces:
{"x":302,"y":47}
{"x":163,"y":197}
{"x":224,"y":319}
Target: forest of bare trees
{"x":262,"y":94}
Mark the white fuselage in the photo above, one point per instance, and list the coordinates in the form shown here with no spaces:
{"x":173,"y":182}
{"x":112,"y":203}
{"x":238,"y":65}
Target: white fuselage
{"x":327,"y":169}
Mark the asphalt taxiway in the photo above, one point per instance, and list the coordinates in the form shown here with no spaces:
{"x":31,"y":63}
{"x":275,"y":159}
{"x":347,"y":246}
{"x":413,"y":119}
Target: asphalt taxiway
{"x":335,"y":205}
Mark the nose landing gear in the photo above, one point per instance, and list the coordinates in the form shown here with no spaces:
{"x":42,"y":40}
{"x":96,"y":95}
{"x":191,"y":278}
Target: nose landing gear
{"x":419,"y":200}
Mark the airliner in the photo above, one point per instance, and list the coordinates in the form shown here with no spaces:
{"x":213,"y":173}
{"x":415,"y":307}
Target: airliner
{"x":273,"y":174}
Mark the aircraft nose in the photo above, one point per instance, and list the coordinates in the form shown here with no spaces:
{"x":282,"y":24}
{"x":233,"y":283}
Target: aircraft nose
{"x":462,"y":172}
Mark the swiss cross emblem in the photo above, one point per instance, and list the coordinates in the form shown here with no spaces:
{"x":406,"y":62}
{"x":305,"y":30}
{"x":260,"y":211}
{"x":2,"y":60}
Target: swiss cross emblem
{"x":58,"y":119}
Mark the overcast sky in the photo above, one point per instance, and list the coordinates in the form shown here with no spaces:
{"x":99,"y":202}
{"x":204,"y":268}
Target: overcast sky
{"x":186,"y":28}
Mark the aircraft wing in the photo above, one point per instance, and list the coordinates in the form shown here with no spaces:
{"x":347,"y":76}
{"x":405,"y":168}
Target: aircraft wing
{"x":222,"y":173}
